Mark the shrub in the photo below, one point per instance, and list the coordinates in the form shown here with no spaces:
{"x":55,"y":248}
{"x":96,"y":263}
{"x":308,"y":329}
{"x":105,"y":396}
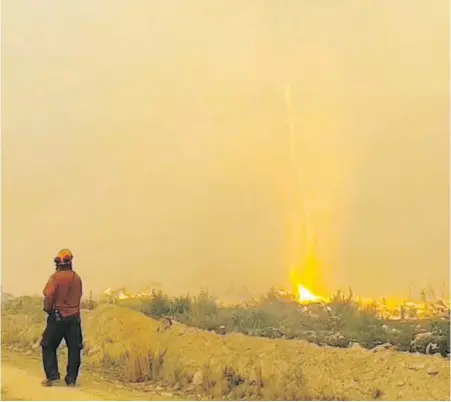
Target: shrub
{"x":441,"y":331}
{"x":31,"y":305}
{"x":181,"y":305}
{"x":131,"y":347}
{"x":339,"y":323}
{"x":90,"y":303}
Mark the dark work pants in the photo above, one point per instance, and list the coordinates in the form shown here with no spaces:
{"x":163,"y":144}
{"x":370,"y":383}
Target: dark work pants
{"x":69,"y":329}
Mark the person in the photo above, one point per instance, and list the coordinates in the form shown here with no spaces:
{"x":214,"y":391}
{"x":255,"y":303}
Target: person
{"x":62,"y":295}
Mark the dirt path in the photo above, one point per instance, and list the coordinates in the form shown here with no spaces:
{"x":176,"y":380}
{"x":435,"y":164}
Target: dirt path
{"x":22,"y":375}
{"x":19,"y":385}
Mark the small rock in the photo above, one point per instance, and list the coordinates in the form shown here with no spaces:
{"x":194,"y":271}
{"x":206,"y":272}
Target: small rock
{"x":337,"y":335}
{"x":400,"y":383}
{"x":431,"y":347}
{"x":167,"y":394}
{"x":417,"y":367}
{"x":382,"y":347}
{"x":431,"y":371}
{"x":198,"y":378}
{"x":177,"y":387}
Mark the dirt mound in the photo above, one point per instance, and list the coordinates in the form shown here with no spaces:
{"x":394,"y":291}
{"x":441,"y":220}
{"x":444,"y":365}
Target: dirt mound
{"x":137,"y":348}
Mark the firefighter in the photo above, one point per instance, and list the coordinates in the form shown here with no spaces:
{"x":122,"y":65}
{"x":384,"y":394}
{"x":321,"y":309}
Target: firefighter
{"x":62,"y":296}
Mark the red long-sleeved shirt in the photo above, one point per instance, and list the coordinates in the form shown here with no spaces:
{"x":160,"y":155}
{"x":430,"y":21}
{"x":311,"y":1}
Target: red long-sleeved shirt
{"x":63,"y":292}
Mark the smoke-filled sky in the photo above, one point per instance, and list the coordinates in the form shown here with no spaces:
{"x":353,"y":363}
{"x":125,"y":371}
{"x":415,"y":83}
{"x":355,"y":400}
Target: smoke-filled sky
{"x":152,"y":139}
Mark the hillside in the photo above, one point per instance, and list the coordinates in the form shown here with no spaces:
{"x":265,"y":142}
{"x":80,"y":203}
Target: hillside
{"x":134,"y":348}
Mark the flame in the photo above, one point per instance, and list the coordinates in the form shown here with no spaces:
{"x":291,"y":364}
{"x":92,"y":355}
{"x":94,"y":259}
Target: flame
{"x":306,"y":295}
{"x":303,"y":292}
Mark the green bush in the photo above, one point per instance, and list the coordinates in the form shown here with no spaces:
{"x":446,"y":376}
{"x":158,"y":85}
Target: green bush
{"x":90,"y":303}
{"x":182,"y":305}
{"x":441,"y":331}
{"x":29,"y":305}
{"x":339,"y":323}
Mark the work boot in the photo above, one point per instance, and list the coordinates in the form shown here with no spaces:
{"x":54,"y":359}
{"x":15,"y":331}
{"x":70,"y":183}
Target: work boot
{"x":69,"y":382}
{"x":50,"y":382}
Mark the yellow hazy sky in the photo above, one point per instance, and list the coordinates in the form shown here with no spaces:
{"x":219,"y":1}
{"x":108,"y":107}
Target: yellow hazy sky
{"x":152,"y":139}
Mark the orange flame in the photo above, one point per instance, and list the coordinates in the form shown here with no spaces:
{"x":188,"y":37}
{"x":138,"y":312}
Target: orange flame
{"x":305,"y":295}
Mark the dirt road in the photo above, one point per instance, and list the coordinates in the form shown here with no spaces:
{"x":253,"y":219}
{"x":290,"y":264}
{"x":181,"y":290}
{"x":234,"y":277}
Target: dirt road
{"x":22,"y":376}
{"x":19,"y":385}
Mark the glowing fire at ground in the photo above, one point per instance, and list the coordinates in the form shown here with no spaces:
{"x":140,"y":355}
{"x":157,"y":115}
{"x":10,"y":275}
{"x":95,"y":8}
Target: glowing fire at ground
{"x":388,"y":308}
{"x":303,"y":292}
{"x":306,"y":296}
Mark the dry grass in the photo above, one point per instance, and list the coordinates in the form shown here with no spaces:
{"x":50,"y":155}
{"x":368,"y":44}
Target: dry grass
{"x":135,"y":348}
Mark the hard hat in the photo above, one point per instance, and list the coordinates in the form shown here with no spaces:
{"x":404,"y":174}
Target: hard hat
{"x":64,"y":257}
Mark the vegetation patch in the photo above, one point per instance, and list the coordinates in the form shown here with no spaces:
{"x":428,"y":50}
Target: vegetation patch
{"x":133,"y":347}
